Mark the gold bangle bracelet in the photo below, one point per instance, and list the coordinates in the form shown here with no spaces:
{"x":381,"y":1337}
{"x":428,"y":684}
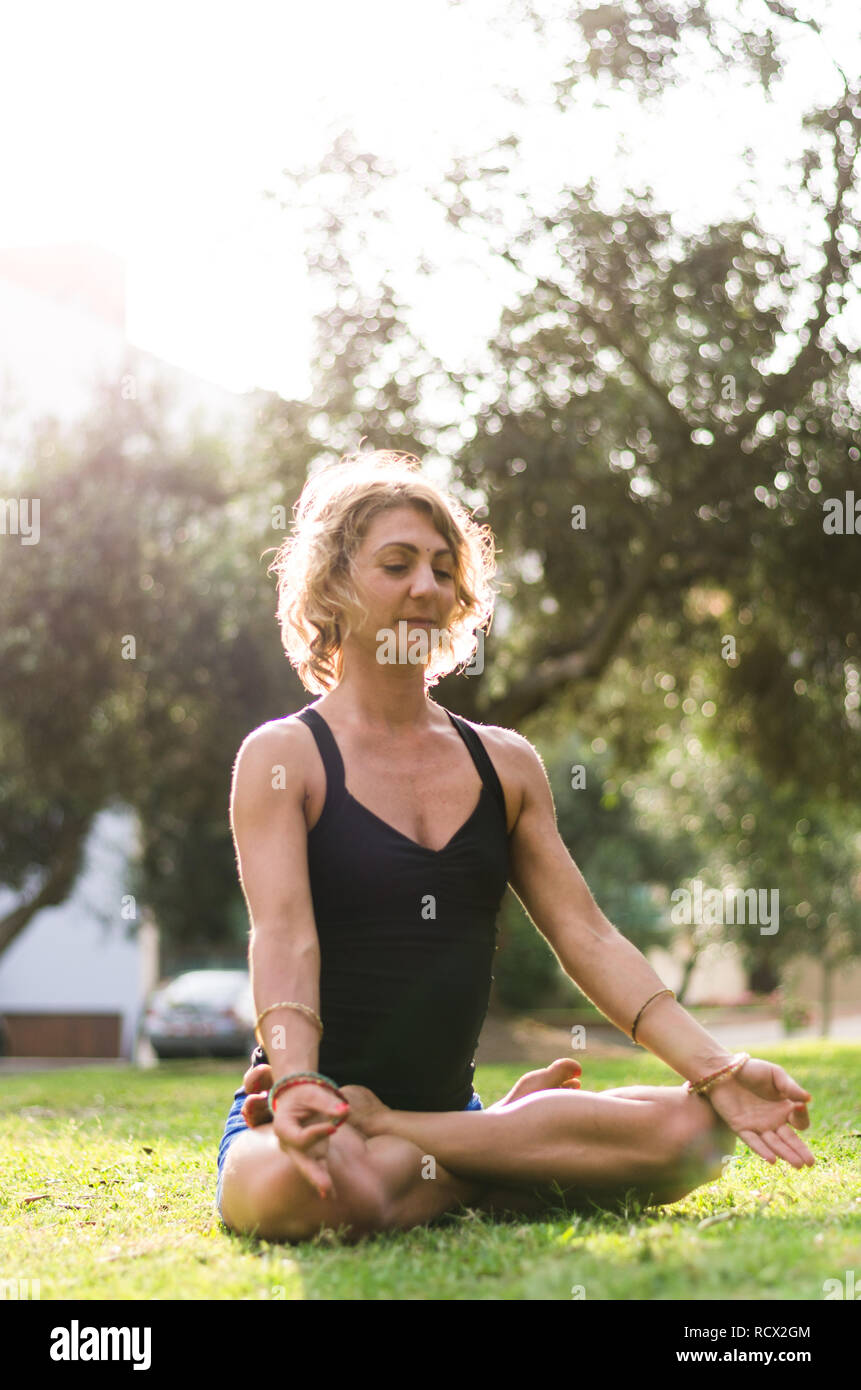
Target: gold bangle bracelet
{"x":287,"y":1004}
{"x":656,"y":995}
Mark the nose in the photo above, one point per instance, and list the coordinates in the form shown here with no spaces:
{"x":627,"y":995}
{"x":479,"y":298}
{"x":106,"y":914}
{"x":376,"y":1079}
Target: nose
{"x":424,"y":579}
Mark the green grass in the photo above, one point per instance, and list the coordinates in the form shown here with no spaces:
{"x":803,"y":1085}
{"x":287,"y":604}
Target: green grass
{"x":127,"y":1159}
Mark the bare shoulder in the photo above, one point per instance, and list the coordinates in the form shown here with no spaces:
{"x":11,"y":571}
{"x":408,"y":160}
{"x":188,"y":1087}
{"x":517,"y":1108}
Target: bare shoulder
{"x":509,"y":749}
{"x":518,"y":765}
{"x":286,"y":735}
{"x":278,"y":744}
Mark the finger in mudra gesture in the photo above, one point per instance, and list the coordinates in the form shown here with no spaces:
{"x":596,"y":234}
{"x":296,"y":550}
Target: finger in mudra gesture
{"x":764,"y":1106}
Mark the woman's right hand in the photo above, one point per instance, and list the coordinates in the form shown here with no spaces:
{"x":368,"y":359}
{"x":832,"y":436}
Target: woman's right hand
{"x":306,"y":1117}
{"x":305,"y":1129}
{"x":759,"y":1103}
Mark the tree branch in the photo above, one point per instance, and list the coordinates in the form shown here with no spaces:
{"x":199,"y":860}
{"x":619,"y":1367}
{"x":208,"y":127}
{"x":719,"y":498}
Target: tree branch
{"x":56,"y":888}
{"x":786,"y":385}
{"x":784,"y":12}
{"x":630,"y":355}
{"x":531,"y":691}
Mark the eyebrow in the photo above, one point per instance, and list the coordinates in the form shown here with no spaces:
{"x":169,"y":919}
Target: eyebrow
{"x":405,"y":545}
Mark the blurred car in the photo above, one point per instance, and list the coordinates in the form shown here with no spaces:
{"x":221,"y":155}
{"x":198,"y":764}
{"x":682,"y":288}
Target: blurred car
{"x":203,"y":1013}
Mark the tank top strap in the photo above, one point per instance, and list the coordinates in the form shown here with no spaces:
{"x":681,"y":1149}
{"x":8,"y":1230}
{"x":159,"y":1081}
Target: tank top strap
{"x":334,"y":763}
{"x":329,"y":752}
{"x":481,"y":758}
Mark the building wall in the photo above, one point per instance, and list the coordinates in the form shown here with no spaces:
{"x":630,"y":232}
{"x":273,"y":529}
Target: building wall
{"x":718,"y":977}
{"x":83,"y":957}
{"x":62,"y":330}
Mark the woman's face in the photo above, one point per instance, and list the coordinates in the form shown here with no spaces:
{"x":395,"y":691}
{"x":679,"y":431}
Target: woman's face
{"x":404,"y":570}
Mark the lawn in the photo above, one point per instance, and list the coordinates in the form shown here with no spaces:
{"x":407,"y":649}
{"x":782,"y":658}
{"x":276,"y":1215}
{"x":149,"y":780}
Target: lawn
{"x":121,"y":1164}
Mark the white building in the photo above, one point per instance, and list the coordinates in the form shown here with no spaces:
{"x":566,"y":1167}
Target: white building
{"x":63,"y":329}
{"x":73,"y":983}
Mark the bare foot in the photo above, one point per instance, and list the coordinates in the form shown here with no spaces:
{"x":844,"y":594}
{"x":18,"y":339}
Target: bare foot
{"x":564,"y":1073}
{"x":257,"y":1082}
{"x":366,"y":1110}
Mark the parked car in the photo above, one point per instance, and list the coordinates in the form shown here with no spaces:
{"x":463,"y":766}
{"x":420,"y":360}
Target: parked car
{"x":203,"y":1013}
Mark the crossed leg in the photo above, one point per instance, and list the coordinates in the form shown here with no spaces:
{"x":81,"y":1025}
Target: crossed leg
{"x":552,"y":1148}
{"x":545,"y":1141}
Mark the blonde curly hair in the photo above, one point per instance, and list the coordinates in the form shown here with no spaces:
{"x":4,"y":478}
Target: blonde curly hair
{"x":315,"y":572}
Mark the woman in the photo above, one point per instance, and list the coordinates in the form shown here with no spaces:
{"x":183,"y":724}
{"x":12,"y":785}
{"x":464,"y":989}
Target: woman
{"x":375,"y":836}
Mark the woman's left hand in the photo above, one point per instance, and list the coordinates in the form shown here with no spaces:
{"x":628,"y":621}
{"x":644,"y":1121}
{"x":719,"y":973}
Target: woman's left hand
{"x":764,"y":1106}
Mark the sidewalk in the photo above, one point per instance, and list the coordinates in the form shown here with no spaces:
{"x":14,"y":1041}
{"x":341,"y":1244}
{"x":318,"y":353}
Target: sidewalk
{"x":525,"y":1039}
{"x":15,"y":1064}
{"x":771,"y":1030}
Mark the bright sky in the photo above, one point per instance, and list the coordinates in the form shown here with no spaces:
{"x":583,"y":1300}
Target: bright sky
{"x":154,"y":128}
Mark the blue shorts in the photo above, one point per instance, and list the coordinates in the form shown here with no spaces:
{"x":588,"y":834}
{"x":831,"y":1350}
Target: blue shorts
{"x":235,"y":1125}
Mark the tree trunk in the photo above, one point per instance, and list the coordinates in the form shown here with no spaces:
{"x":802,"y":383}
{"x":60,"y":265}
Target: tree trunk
{"x":687,"y":972}
{"x":827,"y":996}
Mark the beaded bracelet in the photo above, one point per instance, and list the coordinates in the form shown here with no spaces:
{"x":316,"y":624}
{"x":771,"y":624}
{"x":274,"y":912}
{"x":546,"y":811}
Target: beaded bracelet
{"x":301,"y":1078}
{"x":704,"y":1085}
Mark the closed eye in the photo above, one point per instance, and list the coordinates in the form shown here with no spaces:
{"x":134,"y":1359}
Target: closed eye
{"x":398,"y":569}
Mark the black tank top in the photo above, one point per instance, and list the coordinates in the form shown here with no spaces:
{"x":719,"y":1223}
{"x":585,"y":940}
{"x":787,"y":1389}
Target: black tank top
{"x":407,"y":936}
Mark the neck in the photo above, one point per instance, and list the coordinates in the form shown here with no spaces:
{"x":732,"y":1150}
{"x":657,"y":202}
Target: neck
{"x":387,"y":698}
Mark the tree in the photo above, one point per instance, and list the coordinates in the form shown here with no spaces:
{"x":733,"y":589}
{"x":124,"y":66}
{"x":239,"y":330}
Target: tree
{"x":695,"y":393}
{"x":691,"y":393}
{"x":137,"y":643}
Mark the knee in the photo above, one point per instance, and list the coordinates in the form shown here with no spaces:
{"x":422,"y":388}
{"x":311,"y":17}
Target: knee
{"x":271,"y":1200}
{"x":288,"y":1210}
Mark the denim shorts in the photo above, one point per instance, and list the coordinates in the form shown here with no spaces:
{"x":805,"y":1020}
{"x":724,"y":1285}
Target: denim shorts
{"x":235,"y":1125}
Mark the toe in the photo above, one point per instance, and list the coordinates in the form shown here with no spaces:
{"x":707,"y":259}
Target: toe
{"x":565,"y":1068}
{"x":255,"y":1110}
{"x":257,"y":1079}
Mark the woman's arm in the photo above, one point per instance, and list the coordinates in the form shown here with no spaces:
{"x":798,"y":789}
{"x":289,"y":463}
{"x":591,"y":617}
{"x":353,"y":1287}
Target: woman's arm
{"x":618,"y":979}
{"x":270,"y":835}
{"x":602,"y":962}
{"x":761,"y":1102}
{"x":269,"y":830}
